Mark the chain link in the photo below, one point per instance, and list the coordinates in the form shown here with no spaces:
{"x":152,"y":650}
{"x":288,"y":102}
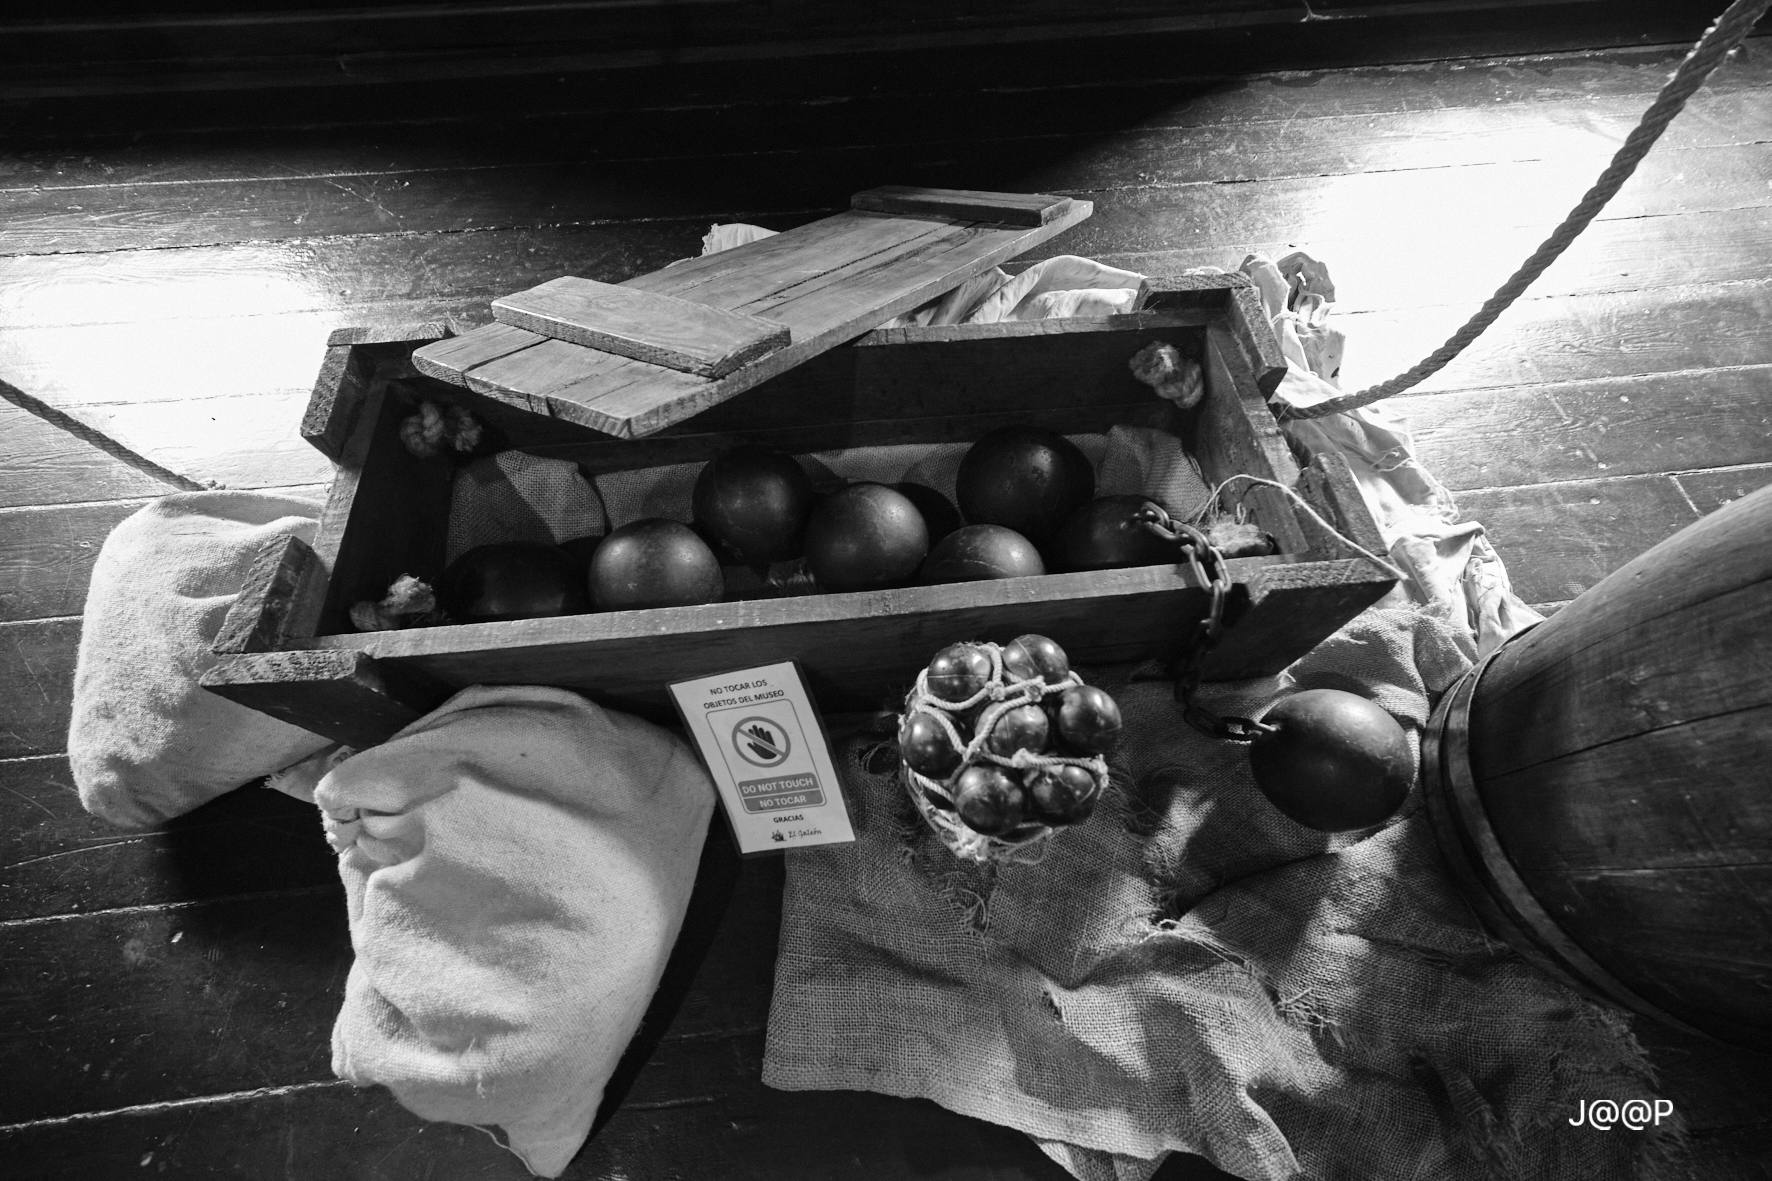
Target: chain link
{"x":1210,"y":572}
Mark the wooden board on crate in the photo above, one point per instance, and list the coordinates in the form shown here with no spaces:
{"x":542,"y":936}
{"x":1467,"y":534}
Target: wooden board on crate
{"x":823,"y":283}
{"x":299,"y":657}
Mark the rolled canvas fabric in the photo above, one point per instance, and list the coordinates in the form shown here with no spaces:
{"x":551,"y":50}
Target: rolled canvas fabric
{"x":516,"y":867}
{"x":146,"y":742}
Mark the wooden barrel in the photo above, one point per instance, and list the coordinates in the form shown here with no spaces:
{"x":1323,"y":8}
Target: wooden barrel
{"x":1601,"y":786}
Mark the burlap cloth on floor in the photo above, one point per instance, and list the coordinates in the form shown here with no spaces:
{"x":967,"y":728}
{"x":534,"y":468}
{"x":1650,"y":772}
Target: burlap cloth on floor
{"x":1192,"y":971}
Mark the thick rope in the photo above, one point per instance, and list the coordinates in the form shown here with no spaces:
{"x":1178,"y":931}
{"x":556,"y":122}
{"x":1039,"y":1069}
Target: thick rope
{"x":1718,"y":42}
{"x":96,"y":437}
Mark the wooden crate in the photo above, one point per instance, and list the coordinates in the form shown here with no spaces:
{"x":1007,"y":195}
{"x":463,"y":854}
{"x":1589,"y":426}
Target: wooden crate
{"x":287,"y":647}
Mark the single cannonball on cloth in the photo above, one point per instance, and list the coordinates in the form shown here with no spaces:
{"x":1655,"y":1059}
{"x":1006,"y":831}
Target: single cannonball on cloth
{"x":755,"y":499}
{"x":1024,"y":478}
{"x":512,"y":580}
{"x":925,"y":746}
{"x":1106,"y":534}
{"x":1034,"y":657}
{"x":1088,"y":721}
{"x":864,"y":537}
{"x":989,"y":799}
{"x":1335,"y":763}
{"x":654,"y":563}
{"x":979,"y":552}
{"x":1024,"y":727}
{"x":1062,"y":793}
{"x":958,"y":672}
{"x":940,"y":516}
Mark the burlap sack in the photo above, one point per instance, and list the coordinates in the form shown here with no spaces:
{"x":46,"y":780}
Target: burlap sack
{"x":516,"y":868}
{"x":515,"y":496}
{"x":1192,"y":971}
{"x":145,"y":741}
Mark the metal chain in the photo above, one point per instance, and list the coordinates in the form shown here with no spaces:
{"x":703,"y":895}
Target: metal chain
{"x":1194,"y":546}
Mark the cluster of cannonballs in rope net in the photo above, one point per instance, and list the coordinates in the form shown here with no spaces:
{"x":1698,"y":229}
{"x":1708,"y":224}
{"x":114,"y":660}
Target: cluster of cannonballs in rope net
{"x":1001,"y":746}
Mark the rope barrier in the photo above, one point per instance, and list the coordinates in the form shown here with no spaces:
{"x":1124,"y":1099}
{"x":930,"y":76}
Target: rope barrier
{"x":1721,"y":39}
{"x":96,"y":437}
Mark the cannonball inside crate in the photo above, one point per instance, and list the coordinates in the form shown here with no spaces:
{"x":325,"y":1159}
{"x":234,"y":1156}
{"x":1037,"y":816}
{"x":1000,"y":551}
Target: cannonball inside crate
{"x":1001,"y":746}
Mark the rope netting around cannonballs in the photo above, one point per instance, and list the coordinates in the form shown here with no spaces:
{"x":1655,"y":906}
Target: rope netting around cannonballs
{"x":937,"y":801}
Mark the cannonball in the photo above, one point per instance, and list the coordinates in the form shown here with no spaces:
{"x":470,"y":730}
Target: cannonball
{"x":1336,"y":763}
{"x":1088,"y":721}
{"x":925,"y":746}
{"x":979,"y":552}
{"x":1025,"y":727}
{"x":755,"y":500}
{"x":989,"y":799}
{"x":1106,"y":534}
{"x":1035,"y":657}
{"x":940,"y":516}
{"x":958,"y":672}
{"x":1061,"y":794}
{"x":512,"y":580}
{"x":654,"y":563}
{"x":864,"y":537}
{"x":1024,"y":478}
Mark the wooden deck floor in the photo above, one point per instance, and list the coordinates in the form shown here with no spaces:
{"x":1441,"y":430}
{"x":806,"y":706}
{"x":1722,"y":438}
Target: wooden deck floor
{"x":168,"y":996}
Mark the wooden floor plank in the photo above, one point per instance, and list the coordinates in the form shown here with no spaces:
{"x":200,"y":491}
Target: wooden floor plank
{"x":144,"y":1006}
{"x":1193,"y":145}
{"x":55,"y":859}
{"x":1711,"y":490}
{"x":1577,"y":338}
{"x":1560,"y":539}
{"x":1615,"y":426}
{"x":37,"y":661}
{"x":1533,"y":182}
{"x":579,"y":112}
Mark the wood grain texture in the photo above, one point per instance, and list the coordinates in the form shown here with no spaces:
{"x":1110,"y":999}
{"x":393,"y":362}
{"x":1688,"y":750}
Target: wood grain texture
{"x":1605,"y":427}
{"x":1645,"y":648}
{"x":641,"y":325}
{"x":1560,"y":539}
{"x":1289,"y":609}
{"x":1711,"y":490}
{"x":826,"y":282}
{"x":46,"y":556}
{"x":1008,"y":209}
{"x":284,"y":571}
{"x":344,"y":696}
{"x":1684,"y":795}
{"x":60,"y":860}
{"x":37,"y":659}
{"x":858,"y":649}
{"x":866,"y":90}
{"x":1238,"y":435}
{"x":386,"y":516}
{"x":108,"y":1008}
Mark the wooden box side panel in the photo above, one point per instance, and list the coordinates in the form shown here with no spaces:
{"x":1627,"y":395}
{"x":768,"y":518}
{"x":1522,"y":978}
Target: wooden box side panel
{"x":387,"y":514}
{"x":860,"y":651}
{"x":930,"y":385}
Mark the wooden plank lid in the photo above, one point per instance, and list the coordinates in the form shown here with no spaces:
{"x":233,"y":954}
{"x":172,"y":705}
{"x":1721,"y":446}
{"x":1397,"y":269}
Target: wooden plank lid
{"x":630,"y":359}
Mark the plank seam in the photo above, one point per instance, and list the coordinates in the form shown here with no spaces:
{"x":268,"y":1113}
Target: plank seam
{"x":58,"y":1121}
{"x":162,"y":907}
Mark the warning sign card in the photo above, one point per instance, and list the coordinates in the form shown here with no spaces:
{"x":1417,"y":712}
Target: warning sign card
{"x":762,"y":742}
